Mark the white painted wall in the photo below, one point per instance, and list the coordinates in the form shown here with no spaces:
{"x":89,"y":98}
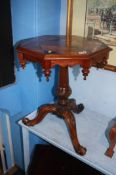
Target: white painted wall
{"x":79,"y":9}
{"x":98,"y":92}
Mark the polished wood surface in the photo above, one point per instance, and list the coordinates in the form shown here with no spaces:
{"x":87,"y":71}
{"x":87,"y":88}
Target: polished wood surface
{"x":53,"y":50}
{"x":79,"y":47}
{"x":57,"y":50}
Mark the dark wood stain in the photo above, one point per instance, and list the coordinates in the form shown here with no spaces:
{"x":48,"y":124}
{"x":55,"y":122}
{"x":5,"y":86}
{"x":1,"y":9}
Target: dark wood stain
{"x":50,"y":51}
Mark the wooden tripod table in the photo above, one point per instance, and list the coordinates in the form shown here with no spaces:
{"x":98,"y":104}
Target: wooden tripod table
{"x":50,"y":51}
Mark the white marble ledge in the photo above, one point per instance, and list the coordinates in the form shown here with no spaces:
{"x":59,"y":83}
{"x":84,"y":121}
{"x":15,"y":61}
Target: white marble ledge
{"x":91,"y":128}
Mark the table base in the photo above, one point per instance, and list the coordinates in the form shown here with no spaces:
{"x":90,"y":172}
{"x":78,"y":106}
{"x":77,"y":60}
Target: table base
{"x":65,"y":112}
{"x":64,"y":108}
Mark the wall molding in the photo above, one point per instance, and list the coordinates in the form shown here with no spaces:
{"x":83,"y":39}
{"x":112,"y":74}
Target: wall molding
{"x":110,"y":68}
{"x":6,"y":140}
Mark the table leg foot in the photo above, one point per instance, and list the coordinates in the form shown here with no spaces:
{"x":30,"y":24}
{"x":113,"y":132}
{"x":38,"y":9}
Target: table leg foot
{"x":109,"y":152}
{"x":74,"y":107}
{"x":42,"y":112}
{"x":71,"y":124}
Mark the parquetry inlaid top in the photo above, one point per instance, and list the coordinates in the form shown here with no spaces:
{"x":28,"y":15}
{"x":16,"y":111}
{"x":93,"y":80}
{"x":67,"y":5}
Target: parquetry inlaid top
{"x":56,"y":50}
{"x":53,"y":47}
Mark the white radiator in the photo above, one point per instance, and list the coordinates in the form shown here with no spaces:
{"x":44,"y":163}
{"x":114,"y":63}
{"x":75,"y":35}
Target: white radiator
{"x":6,"y":146}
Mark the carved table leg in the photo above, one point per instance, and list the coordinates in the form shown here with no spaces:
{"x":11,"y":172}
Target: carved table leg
{"x":74,"y":107}
{"x":42,"y":112}
{"x":112,"y":141}
{"x":63,"y":108}
{"x":70,"y":121}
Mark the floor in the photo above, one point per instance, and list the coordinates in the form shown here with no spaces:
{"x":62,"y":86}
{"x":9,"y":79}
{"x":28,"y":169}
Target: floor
{"x":20,"y":172}
{"x":14,"y":171}
{"x":48,"y":159}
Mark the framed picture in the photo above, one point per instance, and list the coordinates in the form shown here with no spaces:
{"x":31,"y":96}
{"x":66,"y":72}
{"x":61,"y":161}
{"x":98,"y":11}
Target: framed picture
{"x":100,"y":23}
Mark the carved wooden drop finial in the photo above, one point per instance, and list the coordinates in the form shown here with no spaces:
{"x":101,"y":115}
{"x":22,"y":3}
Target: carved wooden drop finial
{"x":47,"y":69}
{"x":85,"y":72}
{"x":22,"y":60}
{"x":47,"y":73}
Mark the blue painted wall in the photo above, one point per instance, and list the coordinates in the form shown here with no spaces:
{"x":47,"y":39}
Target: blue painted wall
{"x":29,"y":18}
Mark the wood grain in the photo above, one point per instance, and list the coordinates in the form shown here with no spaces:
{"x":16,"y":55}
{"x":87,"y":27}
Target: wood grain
{"x":50,"y":51}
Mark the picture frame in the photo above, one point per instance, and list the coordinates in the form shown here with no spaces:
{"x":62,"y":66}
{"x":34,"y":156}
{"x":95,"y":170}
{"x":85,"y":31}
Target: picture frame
{"x":100,"y":23}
